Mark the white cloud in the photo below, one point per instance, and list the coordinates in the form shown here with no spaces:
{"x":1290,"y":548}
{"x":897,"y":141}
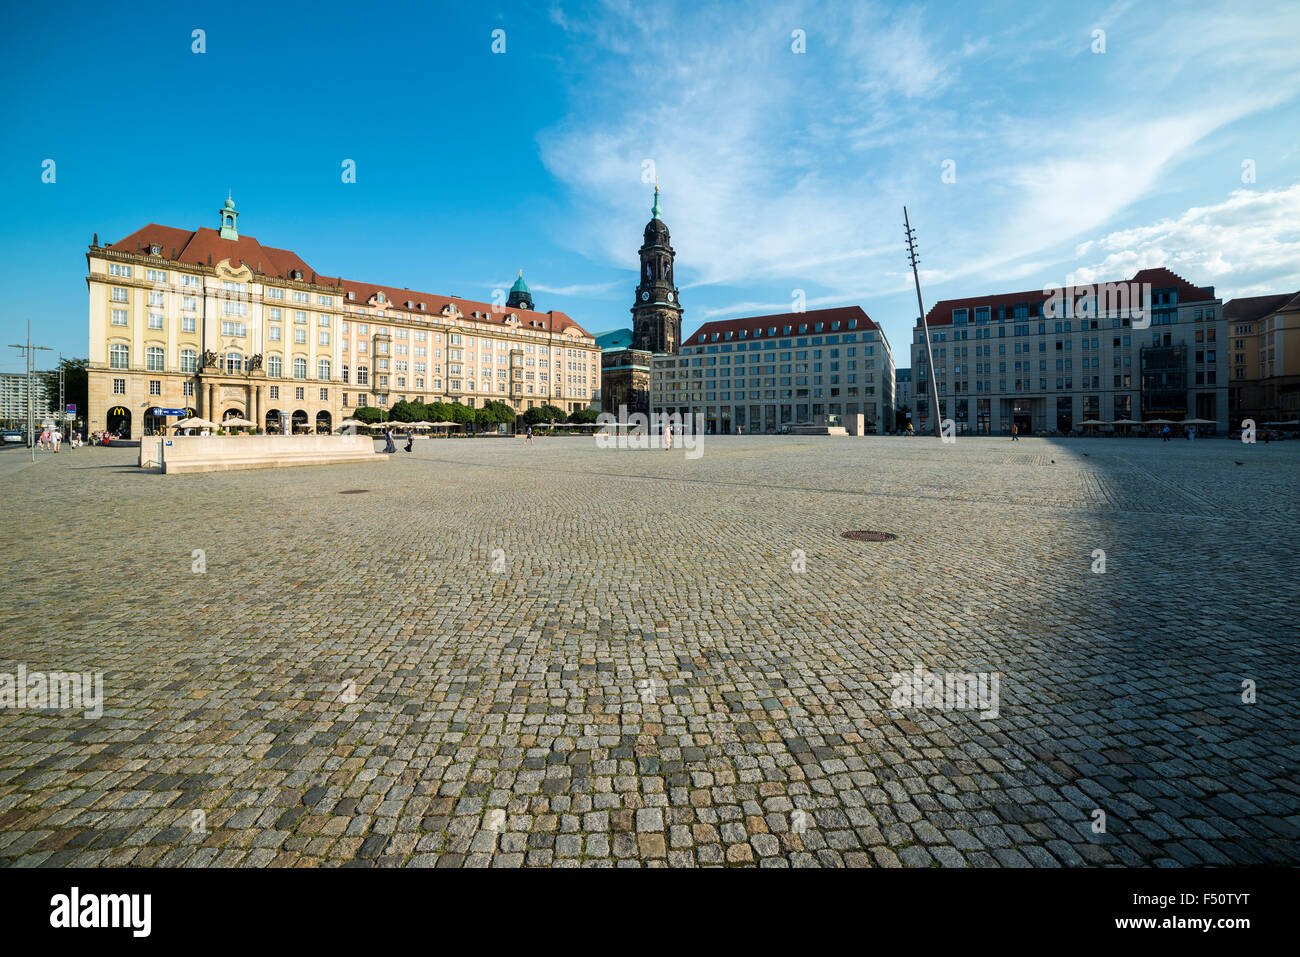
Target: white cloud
{"x":788,"y":170}
{"x":1247,"y":245}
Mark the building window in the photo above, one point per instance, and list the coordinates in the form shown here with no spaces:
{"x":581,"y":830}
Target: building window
{"x":155,"y":387}
{"x":119,"y":294}
{"x":116,"y":269}
{"x":189,"y":360}
{"x":324,"y":394}
{"x":275,"y":366}
{"x":344,"y":375}
{"x":300,"y":368}
{"x":275,"y":392}
{"x":299,"y":393}
{"x":363,"y":375}
{"x":119,"y":317}
{"x":322,"y":369}
{"x":300,"y":336}
{"x":187,"y":324}
{"x":119,"y":356}
{"x":119,"y":387}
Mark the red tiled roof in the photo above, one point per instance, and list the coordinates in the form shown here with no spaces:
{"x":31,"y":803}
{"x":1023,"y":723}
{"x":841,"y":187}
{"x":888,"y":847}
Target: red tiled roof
{"x":940,"y":313}
{"x":841,"y":314}
{"x":1256,"y":307}
{"x":205,"y":244}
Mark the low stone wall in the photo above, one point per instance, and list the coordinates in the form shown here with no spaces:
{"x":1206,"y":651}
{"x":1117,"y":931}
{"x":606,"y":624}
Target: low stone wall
{"x":218,"y":453}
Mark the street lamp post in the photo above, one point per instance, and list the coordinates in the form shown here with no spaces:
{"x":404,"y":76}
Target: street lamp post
{"x":27,"y":351}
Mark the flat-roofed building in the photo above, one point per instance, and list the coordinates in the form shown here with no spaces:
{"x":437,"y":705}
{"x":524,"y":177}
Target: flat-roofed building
{"x":13,"y":400}
{"x":766,"y":373}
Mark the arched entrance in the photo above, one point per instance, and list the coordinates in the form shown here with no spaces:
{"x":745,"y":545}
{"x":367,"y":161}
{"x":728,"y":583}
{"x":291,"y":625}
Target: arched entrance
{"x":272,"y":421}
{"x":299,"y":422}
{"x":119,"y":421}
{"x":324,"y":423}
{"x":232,"y":414}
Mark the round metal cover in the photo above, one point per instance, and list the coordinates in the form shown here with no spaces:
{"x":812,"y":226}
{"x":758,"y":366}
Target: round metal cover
{"x":869,"y":536}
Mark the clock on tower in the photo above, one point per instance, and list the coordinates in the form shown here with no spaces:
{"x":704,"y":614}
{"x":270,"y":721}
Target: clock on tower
{"x":657,"y":313}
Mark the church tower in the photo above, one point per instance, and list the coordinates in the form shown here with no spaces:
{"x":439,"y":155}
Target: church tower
{"x":521,"y":297}
{"x":657,"y":313}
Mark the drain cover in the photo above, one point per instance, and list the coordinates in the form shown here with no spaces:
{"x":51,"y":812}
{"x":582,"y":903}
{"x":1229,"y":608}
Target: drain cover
{"x":867,"y":536}
{"x":353,"y":491}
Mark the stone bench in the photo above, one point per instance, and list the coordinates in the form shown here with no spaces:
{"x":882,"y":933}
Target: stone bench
{"x":220,"y":453}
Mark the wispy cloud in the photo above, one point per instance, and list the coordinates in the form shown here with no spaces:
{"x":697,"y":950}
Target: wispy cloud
{"x":783,"y":170}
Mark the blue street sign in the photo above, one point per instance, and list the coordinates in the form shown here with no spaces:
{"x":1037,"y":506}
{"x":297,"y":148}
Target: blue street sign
{"x":158,"y":411}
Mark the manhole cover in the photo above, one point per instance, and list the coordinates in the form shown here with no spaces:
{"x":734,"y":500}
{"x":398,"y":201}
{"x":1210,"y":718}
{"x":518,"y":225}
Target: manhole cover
{"x":353,"y":491}
{"x":867,"y":536}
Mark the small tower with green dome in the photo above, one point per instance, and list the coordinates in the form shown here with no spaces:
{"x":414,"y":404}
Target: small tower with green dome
{"x":520,"y":296}
{"x":228,"y":217}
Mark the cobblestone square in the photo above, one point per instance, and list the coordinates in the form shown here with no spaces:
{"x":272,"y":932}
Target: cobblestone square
{"x":493,"y":654}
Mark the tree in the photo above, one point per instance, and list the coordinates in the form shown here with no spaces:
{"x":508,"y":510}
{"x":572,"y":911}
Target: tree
{"x":543,"y":413}
{"x":76,"y":389}
{"x":584,"y":417}
{"x":368,"y":414}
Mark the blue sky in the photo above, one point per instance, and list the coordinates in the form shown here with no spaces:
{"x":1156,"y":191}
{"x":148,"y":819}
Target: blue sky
{"x":781,"y":171}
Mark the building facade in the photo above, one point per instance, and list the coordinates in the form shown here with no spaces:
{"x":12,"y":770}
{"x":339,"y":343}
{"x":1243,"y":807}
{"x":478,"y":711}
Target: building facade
{"x":656,"y":324}
{"x":214,"y":323}
{"x":765,"y":373}
{"x":1264,"y":354}
{"x":13,"y":400}
{"x":903,"y":398}
{"x":1046,"y":362}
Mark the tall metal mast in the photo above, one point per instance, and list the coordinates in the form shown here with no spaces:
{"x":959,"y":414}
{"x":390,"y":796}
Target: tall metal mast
{"x":925,"y":327}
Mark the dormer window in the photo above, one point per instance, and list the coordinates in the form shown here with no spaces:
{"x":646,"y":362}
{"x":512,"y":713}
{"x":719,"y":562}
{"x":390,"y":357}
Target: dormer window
{"x":296,"y":274}
{"x":155,"y":249}
{"x":351,"y":296}
{"x":421,"y":307}
{"x":409,"y":304}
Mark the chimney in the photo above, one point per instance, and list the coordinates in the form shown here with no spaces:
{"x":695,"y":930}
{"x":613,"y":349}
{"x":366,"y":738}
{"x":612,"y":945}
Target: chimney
{"x":95,"y":241}
{"x":209,"y":259}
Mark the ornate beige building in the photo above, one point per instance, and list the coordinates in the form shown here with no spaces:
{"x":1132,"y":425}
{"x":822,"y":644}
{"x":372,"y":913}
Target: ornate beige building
{"x":213,"y":323}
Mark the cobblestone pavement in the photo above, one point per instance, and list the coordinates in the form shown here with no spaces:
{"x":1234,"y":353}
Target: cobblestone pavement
{"x":566,"y":656}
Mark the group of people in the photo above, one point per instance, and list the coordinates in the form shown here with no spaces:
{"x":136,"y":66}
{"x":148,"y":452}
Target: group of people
{"x":49,"y":440}
{"x":390,"y":446}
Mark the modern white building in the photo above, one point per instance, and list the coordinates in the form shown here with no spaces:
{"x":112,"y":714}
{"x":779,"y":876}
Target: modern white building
{"x":13,"y":399}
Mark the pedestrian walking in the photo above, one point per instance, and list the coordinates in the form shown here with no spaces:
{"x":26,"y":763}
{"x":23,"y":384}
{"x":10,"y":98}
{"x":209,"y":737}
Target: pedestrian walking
{"x":528,"y":438}
{"x":388,"y":445}
{"x":410,"y":441}
{"x":57,"y":439}
{"x":1015,"y":432}
{"x":668,"y":437}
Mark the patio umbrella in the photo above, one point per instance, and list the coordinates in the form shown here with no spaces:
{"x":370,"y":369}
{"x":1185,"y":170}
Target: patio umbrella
{"x":352,"y":422}
{"x":1087,"y":422}
{"x":1199,"y":422}
{"x":1126,"y":422}
{"x":1159,"y":422}
{"x":235,"y":422}
{"x":194,"y":422}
